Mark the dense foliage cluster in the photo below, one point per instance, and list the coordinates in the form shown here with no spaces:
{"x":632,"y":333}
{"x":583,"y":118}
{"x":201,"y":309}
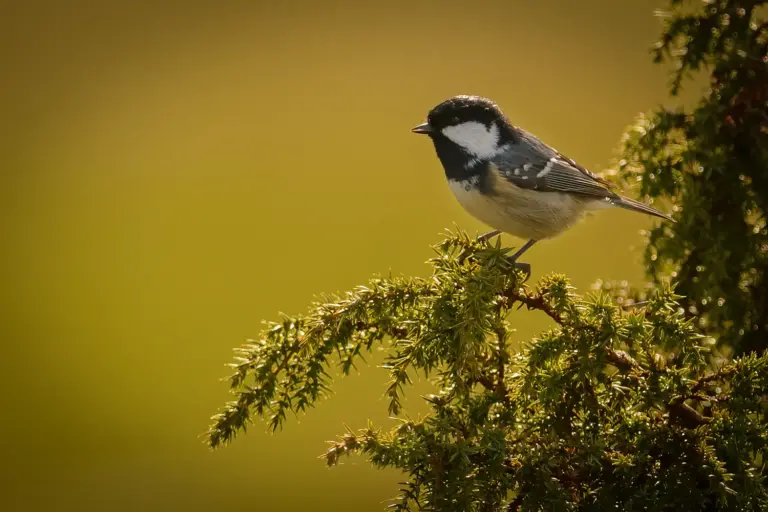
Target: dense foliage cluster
{"x":712,"y":163}
{"x":619,"y":406}
{"x":613,"y":407}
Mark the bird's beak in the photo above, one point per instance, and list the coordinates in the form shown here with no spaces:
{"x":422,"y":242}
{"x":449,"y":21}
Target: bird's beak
{"x":422,"y":128}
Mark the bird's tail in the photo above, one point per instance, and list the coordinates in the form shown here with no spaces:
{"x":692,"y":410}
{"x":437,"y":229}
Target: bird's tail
{"x":637,"y":206}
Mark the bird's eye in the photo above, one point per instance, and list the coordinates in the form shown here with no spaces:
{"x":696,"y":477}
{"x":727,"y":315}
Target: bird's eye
{"x":455,"y":120}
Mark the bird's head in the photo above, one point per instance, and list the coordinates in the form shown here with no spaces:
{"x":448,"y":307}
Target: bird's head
{"x":467,"y":128}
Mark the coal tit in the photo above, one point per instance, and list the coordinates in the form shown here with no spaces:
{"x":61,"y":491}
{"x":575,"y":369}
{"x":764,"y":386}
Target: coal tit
{"x":509,"y":179}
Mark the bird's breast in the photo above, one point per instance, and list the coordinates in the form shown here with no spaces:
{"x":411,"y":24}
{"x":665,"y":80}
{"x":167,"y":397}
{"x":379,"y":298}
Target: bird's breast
{"x":524,"y":213}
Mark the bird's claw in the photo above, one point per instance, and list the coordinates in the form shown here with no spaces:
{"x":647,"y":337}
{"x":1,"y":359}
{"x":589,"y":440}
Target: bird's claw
{"x":480,"y":239}
{"x":487,"y":236}
{"x":524,"y":267}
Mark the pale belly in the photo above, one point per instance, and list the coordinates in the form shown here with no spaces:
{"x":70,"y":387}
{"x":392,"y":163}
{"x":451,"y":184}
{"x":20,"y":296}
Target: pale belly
{"x":527,"y":214}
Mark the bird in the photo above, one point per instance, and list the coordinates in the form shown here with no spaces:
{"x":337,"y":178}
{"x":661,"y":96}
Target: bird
{"x":509,"y":179}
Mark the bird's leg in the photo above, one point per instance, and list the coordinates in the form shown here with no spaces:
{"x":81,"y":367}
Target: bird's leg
{"x":520,"y":251}
{"x":488,"y":235}
{"x":525,"y":267}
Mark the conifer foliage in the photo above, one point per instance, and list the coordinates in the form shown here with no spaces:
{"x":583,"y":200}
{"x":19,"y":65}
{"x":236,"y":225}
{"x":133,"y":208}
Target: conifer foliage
{"x":712,"y":162}
{"x":619,"y":406}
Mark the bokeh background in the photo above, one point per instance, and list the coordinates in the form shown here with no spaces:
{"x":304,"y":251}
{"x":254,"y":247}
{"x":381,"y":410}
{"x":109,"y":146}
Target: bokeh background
{"x":172,"y":173}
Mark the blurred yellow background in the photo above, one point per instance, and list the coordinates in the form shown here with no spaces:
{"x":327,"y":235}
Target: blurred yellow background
{"x":173,"y":173}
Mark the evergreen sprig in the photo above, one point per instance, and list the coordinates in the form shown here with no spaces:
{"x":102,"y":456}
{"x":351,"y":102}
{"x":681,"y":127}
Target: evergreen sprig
{"x":428,"y":322}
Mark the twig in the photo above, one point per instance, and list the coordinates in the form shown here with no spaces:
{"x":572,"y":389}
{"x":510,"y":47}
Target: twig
{"x":514,"y":505}
{"x":534,"y":301}
{"x":685,"y":415}
{"x":624,"y":362}
{"x":720,"y":374}
{"x":487,"y":382}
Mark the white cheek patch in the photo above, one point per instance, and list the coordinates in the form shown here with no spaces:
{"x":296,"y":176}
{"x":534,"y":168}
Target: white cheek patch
{"x":478,"y":140}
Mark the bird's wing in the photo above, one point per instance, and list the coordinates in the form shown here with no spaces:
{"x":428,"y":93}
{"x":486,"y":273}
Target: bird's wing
{"x":531,"y":164}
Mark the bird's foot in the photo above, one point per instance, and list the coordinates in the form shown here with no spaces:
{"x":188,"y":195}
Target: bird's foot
{"x":487,"y":236}
{"x":525,"y":268}
{"x":481,"y":240}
